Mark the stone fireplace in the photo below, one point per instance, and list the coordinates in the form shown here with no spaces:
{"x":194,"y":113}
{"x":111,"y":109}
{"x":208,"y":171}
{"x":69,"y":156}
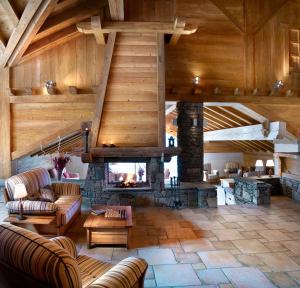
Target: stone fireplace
{"x":99,"y":190}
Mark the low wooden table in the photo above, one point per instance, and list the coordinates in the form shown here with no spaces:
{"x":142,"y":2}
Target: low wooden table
{"x":108,"y":231}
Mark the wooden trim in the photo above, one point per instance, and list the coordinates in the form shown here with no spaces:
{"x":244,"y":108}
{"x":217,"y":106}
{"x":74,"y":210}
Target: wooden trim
{"x":10,"y":12}
{"x":101,"y":89}
{"x":270,"y":100}
{"x":31,"y":30}
{"x":74,"y":98}
{"x":161,"y":90}
{"x":288,"y":155}
{"x":35,"y":146}
{"x":27,"y":16}
{"x":5,"y":131}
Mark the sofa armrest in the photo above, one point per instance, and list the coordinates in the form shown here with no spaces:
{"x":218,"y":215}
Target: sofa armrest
{"x":66,"y":243}
{"x":32,"y":207}
{"x":128,"y":273}
{"x":66,"y":189}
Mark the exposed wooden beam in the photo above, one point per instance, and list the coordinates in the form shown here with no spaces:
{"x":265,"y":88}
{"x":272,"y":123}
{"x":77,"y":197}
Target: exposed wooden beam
{"x":270,"y":100}
{"x":222,"y":115}
{"x":70,"y":17}
{"x":161,"y":90}
{"x":96,"y":24}
{"x":137,"y":27}
{"x":252,"y":132}
{"x":116,"y":9}
{"x":76,"y":98}
{"x":101,"y":89}
{"x":2,"y":46}
{"x":27,"y":16}
{"x":5,"y":131}
{"x":214,"y":123}
{"x":10,"y":12}
{"x":179,"y":23}
{"x":231,"y":18}
{"x":217,"y":119}
{"x":33,"y":27}
{"x":53,"y":40}
{"x":34,"y":146}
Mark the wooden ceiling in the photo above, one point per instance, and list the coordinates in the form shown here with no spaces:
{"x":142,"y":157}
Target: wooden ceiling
{"x":219,"y":117}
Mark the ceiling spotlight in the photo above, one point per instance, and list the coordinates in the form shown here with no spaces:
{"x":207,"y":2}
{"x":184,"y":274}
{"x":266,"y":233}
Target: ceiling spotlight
{"x":197,"y":80}
{"x":278,"y":84}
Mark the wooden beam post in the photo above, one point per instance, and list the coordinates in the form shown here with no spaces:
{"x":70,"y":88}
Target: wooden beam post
{"x":161,"y":90}
{"x":101,"y":89}
{"x":10,"y":12}
{"x":5,"y":131}
{"x":116,"y":9}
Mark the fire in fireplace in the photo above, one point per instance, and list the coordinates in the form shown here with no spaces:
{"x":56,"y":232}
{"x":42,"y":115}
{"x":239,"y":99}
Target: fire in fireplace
{"x":127,"y":175}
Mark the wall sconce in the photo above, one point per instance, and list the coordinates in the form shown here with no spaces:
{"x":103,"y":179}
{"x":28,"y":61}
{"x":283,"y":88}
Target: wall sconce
{"x":278,"y":84}
{"x":51,"y":87}
{"x":255,"y":92}
{"x":197,"y":80}
{"x":217,"y":91}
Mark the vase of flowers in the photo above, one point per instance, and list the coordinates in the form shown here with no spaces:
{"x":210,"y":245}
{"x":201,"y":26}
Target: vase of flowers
{"x":60,"y":163}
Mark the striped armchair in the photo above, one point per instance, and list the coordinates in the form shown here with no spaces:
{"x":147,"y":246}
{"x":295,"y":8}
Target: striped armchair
{"x":30,"y":260}
{"x":65,"y":209}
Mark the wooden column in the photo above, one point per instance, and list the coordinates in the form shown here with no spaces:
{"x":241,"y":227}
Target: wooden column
{"x":5,"y":135}
{"x":161,"y":90}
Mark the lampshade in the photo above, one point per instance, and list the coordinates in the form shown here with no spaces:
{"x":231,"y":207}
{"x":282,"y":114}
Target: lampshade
{"x":270,"y":163}
{"x":259,"y":163}
{"x":20,"y":191}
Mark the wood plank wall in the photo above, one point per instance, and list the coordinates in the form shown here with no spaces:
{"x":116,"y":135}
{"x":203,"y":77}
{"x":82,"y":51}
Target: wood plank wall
{"x":130,"y":111}
{"x":78,"y":63}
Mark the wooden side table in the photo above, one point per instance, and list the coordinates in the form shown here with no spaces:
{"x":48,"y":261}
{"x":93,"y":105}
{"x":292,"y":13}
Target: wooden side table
{"x":108,"y":231}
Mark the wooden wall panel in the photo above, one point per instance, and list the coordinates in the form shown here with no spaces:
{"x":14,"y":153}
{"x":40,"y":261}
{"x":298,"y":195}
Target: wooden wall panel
{"x":76,"y":63}
{"x":220,"y":147}
{"x":130,"y":111}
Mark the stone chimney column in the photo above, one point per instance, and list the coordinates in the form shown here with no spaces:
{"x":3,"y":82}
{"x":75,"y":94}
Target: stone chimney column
{"x":190,"y":139}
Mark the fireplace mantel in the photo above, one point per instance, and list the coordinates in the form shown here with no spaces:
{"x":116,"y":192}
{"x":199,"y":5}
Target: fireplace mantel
{"x":127,"y":152}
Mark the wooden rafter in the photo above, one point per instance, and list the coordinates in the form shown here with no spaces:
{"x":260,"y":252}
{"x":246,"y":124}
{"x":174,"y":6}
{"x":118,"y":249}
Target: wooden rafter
{"x":235,"y":115}
{"x":179,"y":23}
{"x":135,"y":27}
{"x":116,"y":9}
{"x":32,"y":18}
{"x":222,"y":115}
{"x":101,"y":90}
{"x":220,"y":6}
{"x":96,"y":24}
{"x":69,"y":17}
{"x":53,"y":40}
{"x":217,"y":119}
{"x":10,"y":12}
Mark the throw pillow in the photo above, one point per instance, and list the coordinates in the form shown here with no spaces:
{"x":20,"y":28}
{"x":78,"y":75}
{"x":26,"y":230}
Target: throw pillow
{"x":47,"y":194}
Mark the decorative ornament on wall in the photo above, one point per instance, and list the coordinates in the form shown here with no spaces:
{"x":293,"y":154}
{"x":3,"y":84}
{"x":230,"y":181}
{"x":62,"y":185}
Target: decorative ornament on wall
{"x":50,"y":87}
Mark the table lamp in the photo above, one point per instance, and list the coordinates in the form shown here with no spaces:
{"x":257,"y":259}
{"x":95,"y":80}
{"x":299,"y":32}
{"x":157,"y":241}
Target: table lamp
{"x":20,"y":192}
{"x":270,"y":164}
{"x":259,"y":166}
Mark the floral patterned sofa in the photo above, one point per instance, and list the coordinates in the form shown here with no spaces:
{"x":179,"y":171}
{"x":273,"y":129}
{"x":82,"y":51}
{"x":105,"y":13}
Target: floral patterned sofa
{"x":64,"y":207}
{"x":30,"y":260}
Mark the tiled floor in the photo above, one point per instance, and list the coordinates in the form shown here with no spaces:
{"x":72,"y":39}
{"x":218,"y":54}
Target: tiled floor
{"x":230,"y":246}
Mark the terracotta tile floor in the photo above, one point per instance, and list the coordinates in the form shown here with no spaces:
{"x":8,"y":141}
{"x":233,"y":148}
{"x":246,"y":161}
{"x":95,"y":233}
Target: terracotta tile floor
{"x":230,"y":246}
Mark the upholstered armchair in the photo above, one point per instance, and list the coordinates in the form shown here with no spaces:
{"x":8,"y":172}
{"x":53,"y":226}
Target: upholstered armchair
{"x":30,"y":260}
{"x":209,"y":175}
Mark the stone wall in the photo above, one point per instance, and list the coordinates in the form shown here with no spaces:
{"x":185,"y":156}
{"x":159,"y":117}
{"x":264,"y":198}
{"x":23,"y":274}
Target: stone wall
{"x":190,"y":139}
{"x":291,"y":188}
{"x":251,"y":191}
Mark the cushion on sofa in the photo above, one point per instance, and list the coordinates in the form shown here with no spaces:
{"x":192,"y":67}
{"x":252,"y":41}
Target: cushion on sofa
{"x":67,"y":207}
{"x":47,"y":194}
{"x":32,"y":207}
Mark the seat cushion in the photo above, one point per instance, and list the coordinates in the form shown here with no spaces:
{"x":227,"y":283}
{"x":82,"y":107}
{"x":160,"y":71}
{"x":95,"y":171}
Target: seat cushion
{"x":32,"y":207}
{"x":68,"y":206}
{"x":90,"y":269}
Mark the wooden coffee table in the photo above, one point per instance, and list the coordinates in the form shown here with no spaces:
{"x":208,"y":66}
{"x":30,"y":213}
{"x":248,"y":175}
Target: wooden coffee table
{"x":108,"y":231}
